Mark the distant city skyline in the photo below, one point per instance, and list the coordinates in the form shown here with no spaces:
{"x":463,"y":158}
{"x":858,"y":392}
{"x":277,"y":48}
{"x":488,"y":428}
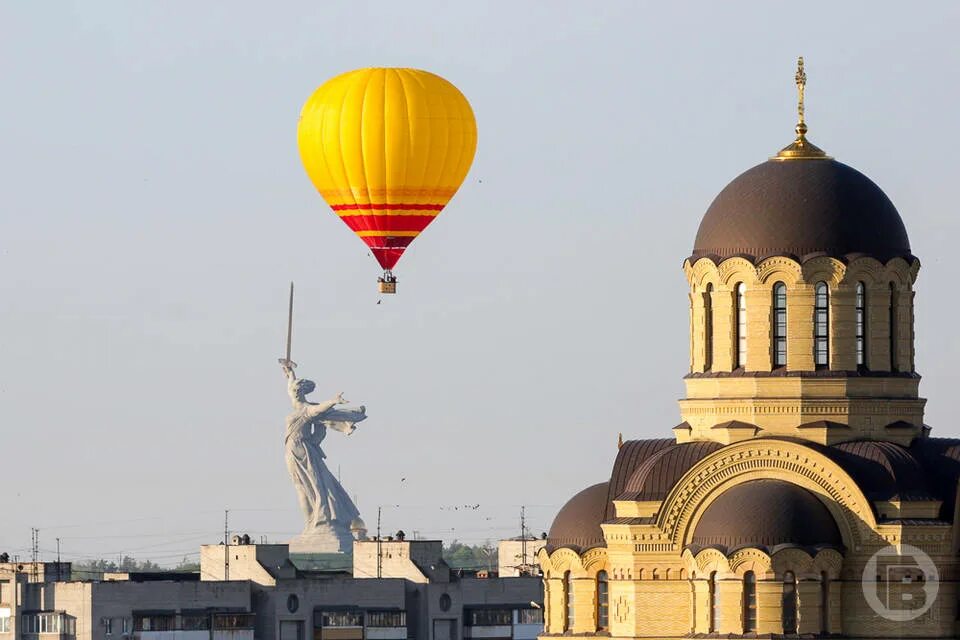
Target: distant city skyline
{"x":155,"y":211}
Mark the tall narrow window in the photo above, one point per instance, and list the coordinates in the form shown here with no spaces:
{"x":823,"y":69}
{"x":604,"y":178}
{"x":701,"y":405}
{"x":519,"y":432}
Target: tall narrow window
{"x":749,"y":602}
{"x":861,"y":325}
{"x":708,"y":328}
{"x":741,"y":326}
{"x":603,"y":601}
{"x":779,"y":325}
{"x":821,"y":325}
{"x":824,"y":603}
{"x":789,"y":610}
{"x":893,"y":328}
{"x":568,"y":593}
{"x":714,"y":603}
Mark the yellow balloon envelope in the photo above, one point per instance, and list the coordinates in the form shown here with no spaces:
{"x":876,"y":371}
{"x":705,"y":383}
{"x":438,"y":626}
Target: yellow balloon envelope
{"x":387,"y":149}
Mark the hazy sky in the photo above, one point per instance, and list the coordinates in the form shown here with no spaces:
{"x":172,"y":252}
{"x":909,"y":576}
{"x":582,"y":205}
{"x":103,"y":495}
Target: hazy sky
{"x":153,"y":209}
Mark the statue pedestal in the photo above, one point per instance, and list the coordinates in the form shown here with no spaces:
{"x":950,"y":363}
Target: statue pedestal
{"x":328,"y":539}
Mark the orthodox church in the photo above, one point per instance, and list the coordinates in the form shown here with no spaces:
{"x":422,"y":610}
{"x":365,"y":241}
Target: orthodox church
{"x":801,"y":493}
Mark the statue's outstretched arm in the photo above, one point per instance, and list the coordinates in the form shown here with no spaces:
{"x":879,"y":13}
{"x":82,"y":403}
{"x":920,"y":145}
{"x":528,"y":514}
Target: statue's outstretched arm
{"x":317,"y":409}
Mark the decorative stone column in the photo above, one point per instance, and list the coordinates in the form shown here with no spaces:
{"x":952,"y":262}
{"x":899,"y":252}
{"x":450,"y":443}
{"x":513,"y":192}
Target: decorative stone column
{"x":584,"y":605}
{"x":759,"y":329}
{"x":903,"y":340}
{"x":724,"y":328}
{"x":843,"y":328}
{"x":701,"y":606}
{"x":730,"y":591}
{"x":800,"y":327}
{"x":878,"y":328}
{"x":769,"y":606}
{"x":809,"y":615}
{"x":697,"y":334}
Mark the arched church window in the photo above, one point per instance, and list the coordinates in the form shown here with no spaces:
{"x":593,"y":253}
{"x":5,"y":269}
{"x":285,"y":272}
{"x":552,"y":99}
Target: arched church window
{"x":708,"y":328}
{"x":568,"y":596}
{"x":821,"y":325}
{"x":893,"y":328}
{"x":603,"y":601}
{"x":789,"y":610}
{"x":824,"y":602}
{"x":749,"y":602}
{"x":714,"y":603}
{"x":779,"y":325}
{"x":741,"y":326}
{"x":861,"y":307}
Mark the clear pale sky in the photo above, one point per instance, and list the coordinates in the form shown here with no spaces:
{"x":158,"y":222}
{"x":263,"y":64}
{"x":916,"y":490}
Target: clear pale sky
{"x":153,"y":209}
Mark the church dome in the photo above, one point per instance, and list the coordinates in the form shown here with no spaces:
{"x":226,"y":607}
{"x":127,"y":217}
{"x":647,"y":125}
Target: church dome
{"x":801,"y":208}
{"x":766,"y":513}
{"x":577,"y":525}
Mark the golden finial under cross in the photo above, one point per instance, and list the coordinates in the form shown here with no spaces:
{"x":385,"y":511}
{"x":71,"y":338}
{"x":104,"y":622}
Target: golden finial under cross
{"x":801,"y":148}
{"x":801,"y":79}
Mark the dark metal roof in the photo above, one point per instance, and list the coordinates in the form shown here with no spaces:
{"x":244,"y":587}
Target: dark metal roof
{"x":802,"y":209}
{"x":766,"y":513}
{"x":941,"y":459}
{"x":630,"y":456}
{"x":653,"y":479}
{"x":577,"y":525}
{"x":882,"y":470}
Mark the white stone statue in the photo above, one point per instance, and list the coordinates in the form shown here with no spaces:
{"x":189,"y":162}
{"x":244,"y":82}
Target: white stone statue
{"x":327,"y":508}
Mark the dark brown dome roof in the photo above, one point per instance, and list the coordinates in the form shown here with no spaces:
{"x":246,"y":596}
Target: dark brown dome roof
{"x":801,"y":209}
{"x":766,"y":513}
{"x":577,"y":525}
{"x":882,"y":470}
{"x":654,"y":479}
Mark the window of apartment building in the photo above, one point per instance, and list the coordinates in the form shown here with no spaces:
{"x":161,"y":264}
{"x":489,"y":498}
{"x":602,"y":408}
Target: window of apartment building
{"x":530,"y":616}
{"x":154,"y":622}
{"x":488,"y":617}
{"x":226,"y":621}
{"x":5,"y":621}
{"x":195,"y":622}
{"x":59,"y":623}
{"x":341,"y":618}
{"x":108,"y":626}
{"x":386,"y":618}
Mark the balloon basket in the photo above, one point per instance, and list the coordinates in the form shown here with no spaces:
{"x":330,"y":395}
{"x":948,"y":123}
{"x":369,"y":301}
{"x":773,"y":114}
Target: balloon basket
{"x":387,"y":283}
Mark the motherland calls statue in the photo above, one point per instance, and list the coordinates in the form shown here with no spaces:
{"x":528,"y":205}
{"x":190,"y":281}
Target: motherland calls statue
{"x":328,"y":511}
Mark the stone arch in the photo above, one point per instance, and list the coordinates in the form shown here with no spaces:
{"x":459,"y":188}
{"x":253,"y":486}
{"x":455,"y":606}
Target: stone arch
{"x":900,"y":272}
{"x":734,"y":270}
{"x":707,"y":561}
{"x":791,"y":559}
{"x":766,"y":458}
{"x":563,"y":560}
{"x":864,"y":269}
{"x":825,"y":269}
{"x":751,"y":559}
{"x":701,"y":273}
{"x":829,"y":561}
{"x":594,"y":561}
{"x":779,"y":269}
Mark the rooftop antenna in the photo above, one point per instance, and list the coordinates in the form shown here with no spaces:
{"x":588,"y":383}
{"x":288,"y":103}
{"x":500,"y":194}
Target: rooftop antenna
{"x":379,"y":547}
{"x":58,"y":559}
{"x":523,"y":538}
{"x":35,"y":554}
{"x":226,"y":529}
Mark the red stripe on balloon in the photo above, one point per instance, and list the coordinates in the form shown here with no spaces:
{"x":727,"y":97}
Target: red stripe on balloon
{"x":387,"y":207}
{"x":387,"y":223}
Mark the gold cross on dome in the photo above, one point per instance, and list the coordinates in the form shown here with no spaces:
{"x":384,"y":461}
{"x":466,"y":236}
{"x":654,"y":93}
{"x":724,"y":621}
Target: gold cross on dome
{"x":801,"y":79}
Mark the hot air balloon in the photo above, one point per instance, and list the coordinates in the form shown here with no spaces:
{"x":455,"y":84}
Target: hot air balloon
{"x":387,"y":149}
